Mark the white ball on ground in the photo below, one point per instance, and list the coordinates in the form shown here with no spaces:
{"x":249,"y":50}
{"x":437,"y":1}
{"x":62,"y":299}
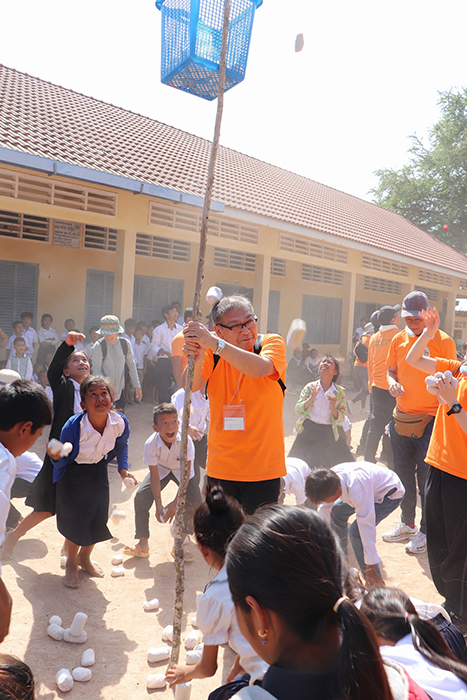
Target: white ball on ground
{"x":64,"y":680}
{"x":88,"y":658}
{"x":151,"y":604}
{"x":117,"y":571}
{"x":55,"y":631}
{"x":155,"y":680}
{"x":192,"y":639}
{"x":158,"y":654}
{"x":55,"y":620}
{"x":168,"y":634}
{"x":117,"y":560}
{"x":81,"y":674}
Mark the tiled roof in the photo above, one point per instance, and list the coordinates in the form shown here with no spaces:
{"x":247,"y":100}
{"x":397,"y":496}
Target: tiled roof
{"x":43,"y":119}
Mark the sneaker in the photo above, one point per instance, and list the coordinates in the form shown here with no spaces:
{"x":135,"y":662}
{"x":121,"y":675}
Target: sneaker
{"x":417,"y":545}
{"x":400,"y":533}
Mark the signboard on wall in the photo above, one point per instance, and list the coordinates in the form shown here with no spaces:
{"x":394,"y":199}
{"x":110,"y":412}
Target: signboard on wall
{"x":66,"y":233}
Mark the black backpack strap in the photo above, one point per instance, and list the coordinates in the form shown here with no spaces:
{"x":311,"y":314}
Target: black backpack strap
{"x":126,"y":346}
{"x":103,"y":345}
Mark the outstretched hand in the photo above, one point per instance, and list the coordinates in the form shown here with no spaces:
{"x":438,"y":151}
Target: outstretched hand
{"x":431,"y":318}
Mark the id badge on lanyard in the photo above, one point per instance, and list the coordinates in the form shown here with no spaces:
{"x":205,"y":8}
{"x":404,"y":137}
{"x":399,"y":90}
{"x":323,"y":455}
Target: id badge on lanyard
{"x":234,"y":415}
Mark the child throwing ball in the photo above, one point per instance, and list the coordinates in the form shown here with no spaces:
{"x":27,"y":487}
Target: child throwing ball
{"x":98,"y":435}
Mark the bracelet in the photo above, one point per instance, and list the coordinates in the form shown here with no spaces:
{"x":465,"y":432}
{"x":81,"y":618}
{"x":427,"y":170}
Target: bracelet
{"x":430,"y":337}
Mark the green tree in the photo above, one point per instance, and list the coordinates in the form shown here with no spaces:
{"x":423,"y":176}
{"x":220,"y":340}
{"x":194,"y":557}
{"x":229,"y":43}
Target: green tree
{"x":431,"y":190}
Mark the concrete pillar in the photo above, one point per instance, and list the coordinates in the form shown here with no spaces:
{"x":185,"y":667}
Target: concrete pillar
{"x":124,"y":274}
{"x":449,"y":316}
{"x":348,"y":310}
{"x":261,"y":290}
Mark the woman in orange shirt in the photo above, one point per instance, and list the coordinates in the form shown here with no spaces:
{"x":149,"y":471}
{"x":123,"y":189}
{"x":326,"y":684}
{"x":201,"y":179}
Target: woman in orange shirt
{"x":446,"y":483}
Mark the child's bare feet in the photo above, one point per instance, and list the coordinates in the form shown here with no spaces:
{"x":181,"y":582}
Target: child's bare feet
{"x":9,"y":544}
{"x":92,"y":567}
{"x":72,"y":575}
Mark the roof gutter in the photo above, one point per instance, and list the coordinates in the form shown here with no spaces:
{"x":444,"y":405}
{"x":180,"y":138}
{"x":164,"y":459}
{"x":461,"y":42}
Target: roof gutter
{"x":98,"y":177}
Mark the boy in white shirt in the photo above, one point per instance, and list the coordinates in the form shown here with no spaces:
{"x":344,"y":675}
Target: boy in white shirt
{"x":20,"y":362}
{"x":47,"y":337}
{"x":162,"y":455}
{"x":294,"y":481}
{"x":94,"y":336}
{"x":29,"y":334}
{"x":140,"y":353}
{"x":24,"y":411}
{"x":366,"y":489}
{"x":199,"y":415}
{"x":18,"y":331}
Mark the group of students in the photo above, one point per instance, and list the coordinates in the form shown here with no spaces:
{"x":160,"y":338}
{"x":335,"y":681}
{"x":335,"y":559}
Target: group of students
{"x":283,"y":597}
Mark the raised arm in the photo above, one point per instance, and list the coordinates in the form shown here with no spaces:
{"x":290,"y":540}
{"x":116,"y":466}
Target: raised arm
{"x":415,"y":355}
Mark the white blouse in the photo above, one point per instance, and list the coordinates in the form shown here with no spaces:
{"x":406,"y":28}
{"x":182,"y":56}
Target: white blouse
{"x":217,"y":620}
{"x":92,"y":445}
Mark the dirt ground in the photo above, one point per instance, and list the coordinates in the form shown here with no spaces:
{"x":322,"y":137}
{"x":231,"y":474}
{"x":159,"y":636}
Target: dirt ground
{"x":119,"y":630}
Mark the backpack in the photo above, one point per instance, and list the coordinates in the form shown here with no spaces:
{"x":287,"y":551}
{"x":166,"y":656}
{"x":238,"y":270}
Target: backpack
{"x":126,"y":347}
{"x":257,"y":349}
{"x":361,"y":352}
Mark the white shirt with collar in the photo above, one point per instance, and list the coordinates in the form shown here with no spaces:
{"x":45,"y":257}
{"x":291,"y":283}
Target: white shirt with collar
{"x":199,"y":413}
{"x":320,"y":411}
{"x":294,"y":481}
{"x":388,"y":327}
{"x":31,"y":337}
{"x":162,"y":337}
{"x":217,"y":620}
{"x":7,"y":477}
{"x":166,"y":458}
{"x":77,"y":408}
{"x":47,"y":335}
{"x":364,"y":484}
{"x":92,"y":445}
{"x":140,"y":350}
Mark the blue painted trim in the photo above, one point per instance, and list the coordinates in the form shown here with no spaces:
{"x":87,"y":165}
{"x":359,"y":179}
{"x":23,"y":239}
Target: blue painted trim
{"x":55,"y":167}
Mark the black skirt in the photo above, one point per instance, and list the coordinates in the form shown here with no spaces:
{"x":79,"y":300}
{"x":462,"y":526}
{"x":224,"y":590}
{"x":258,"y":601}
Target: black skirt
{"x":317,"y":447}
{"x":83,"y":503}
{"x":42,"y":494}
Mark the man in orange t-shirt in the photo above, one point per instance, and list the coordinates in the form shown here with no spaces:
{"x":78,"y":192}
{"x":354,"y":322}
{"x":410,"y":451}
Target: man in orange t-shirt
{"x":246,"y":433}
{"x":407,"y":385}
{"x":382,"y":404}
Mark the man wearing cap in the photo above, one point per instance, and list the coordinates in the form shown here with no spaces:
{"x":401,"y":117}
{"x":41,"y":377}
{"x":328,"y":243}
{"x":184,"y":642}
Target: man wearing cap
{"x":413,"y":418}
{"x":109,"y":356}
{"x":382,"y":404}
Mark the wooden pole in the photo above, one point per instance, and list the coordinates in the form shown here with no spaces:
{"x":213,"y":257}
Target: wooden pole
{"x":184,"y":477}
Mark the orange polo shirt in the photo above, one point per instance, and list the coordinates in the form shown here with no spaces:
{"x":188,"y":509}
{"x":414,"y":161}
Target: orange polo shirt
{"x":256,"y":453}
{"x":416,"y":399}
{"x":448,"y":445}
{"x":378,"y":358}
{"x":178,"y":342}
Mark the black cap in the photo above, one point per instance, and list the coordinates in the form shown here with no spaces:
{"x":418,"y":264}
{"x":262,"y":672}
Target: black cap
{"x":387,"y":313}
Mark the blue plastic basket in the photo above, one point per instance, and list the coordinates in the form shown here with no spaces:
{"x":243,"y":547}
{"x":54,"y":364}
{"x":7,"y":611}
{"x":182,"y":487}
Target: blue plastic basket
{"x":191,"y":43}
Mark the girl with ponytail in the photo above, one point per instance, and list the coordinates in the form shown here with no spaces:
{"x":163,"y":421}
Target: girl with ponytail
{"x":414,"y":643}
{"x":215,"y":522}
{"x":289,"y":583}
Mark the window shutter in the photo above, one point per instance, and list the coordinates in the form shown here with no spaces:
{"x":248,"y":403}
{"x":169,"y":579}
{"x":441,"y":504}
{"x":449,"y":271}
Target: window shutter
{"x":18,"y":292}
{"x":152,"y":293}
{"x":99,"y":297}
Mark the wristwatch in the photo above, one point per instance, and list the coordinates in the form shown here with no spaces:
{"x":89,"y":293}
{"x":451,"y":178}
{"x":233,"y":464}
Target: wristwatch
{"x":456,"y":408}
{"x":220,"y":346}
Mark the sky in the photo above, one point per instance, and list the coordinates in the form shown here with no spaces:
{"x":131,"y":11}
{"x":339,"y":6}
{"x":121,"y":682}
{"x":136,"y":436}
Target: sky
{"x":368,"y":76}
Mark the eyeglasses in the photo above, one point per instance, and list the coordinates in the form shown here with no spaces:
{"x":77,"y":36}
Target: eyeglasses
{"x":238,"y":327}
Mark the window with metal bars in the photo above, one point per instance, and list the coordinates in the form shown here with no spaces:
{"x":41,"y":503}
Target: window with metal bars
{"x":165,"y":248}
{"x":234,"y":259}
{"x":278,"y":267}
{"x":316,"y":249}
{"x":32,"y":228}
{"x":100,"y":238}
{"x":324,"y":275}
{"x":372,"y":262}
{"x":375,"y":284}
{"x":434,"y":277}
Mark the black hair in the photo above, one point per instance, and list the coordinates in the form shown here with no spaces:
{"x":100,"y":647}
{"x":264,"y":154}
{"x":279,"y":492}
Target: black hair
{"x":44,"y":316}
{"x":129,"y":322}
{"x":15,"y":323}
{"x":140,"y":324}
{"x":288,"y":559}
{"x":321,"y":484}
{"x":336,"y":364}
{"x":92,"y":380}
{"x":68,"y":319}
{"x":314,"y":350}
{"x":226,"y":304}
{"x":19,"y":339}
{"x":41,"y":372}
{"x":162,"y":409}
{"x":166,"y":309}
{"x":217,"y":519}
{"x":188,"y":313}
{"x":24,"y":401}
{"x":16,"y":679}
{"x":93,"y":328}
{"x":27,"y":314}
{"x":68,"y":359}
{"x":393,"y":616}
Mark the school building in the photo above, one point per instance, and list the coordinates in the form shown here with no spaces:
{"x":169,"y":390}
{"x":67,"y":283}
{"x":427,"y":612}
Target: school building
{"x":100,"y":213}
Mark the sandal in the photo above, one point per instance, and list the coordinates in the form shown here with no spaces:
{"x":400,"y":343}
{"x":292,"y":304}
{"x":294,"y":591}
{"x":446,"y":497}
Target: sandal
{"x":135,"y":551}
{"x":187,"y":556}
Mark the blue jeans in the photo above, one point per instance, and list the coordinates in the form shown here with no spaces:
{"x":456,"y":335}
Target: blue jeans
{"x":340,"y":515}
{"x":411,"y":468}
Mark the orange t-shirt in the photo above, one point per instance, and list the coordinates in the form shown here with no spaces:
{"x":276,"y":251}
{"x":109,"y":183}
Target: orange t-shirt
{"x":256,"y":453}
{"x":365,"y":340}
{"x":448,"y":445}
{"x":416,"y":399}
{"x":378,"y":358}
{"x":178,"y":342}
